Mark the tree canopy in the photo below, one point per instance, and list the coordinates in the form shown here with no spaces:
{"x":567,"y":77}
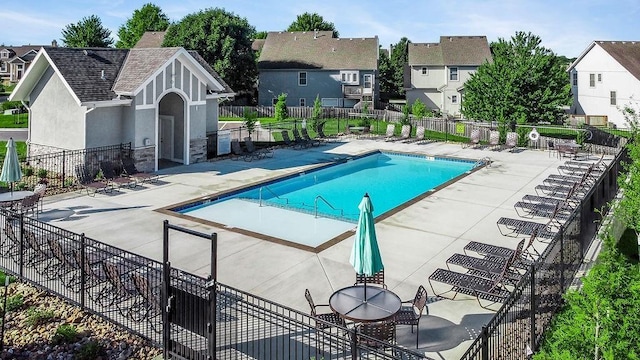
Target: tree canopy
{"x":223,"y":39}
{"x":385,"y":73}
{"x":525,"y":83}
{"x":311,"y":22}
{"x":397,"y":60}
{"x":87,"y":32}
{"x":148,"y":18}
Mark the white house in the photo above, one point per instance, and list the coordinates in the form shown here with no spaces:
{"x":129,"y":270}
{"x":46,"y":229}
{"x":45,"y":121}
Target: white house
{"x":163,"y":101}
{"x":436,"y":72}
{"x":605,"y":78}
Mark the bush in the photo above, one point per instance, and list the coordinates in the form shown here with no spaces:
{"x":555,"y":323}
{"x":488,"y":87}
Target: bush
{"x":28,"y":171}
{"x":65,"y":333}
{"x":90,"y":350}
{"x":281,"y":108}
{"x":12,"y":105}
{"x":250,"y":119}
{"x":418,"y":109}
{"x":14,"y":302}
{"x":38,"y":316}
{"x":42,"y":173}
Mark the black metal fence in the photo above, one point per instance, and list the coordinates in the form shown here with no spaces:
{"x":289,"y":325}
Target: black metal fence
{"x":517,"y":328}
{"x":57,"y":169}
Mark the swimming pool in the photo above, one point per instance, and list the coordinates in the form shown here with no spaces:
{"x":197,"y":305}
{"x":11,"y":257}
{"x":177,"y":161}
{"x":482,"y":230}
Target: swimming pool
{"x":329,"y":194}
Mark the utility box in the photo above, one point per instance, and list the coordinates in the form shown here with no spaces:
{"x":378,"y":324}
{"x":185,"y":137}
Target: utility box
{"x":224,"y":142}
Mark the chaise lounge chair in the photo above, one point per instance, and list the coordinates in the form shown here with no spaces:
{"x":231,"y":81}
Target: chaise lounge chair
{"x":324,"y":137}
{"x":299,"y":140}
{"x":288,"y":142}
{"x":490,"y":268}
{"x":516,"y":227}
{"x":493,"y":252}
{"x":511,"y":141}
{"x":238,"y":152}
{"x":420,"y":130}
{"x":129,"y":167}
{"x":109,"y":173}
{"x":305,"y":136}
{"x":257,"y":153}
{"x":474,"y":138}
{"x":494,"y":139}
{"x":85,"y":180}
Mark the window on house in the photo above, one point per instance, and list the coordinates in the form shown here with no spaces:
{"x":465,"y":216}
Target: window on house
{"x":599,"y":78}
{"x":424,"y":71}
{"x":3,"y":66}
{"x":302,"y":78}
{"x":303,"y":102}
{"x":350,"y":77}
{"x":368,"y":81}
{"x":454,"y":99}
{"x":453,"y":74}
{"x":613,"y":98}
{"x":575,"y":79}
{"x":592,"y":80}
{"x":344,"y":77}
{"x":4,"y":54}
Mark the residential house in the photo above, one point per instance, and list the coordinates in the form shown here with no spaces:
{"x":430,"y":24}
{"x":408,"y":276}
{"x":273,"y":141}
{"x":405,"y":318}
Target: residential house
{"x":340,"y":71}
{"x":436,"y":72}
{"x":605,"y":78}
{"x":161,"y":100}
{"x":14,"y":61}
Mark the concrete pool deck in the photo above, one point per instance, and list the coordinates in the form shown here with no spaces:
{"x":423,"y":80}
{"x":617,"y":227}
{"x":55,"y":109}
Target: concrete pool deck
{"x":414,"y":242}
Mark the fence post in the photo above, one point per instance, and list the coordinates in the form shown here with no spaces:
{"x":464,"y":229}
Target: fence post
{"x":532,"y":320}
{"x":354,"y":343}
{"x":166,"y":330}
{"x":64,"y":177}
{"x":485,"y":343}
{"x":83,"y":260}
{"x":21,"y":260}
{"x":213,"y":298}
{"x":561,"y":232}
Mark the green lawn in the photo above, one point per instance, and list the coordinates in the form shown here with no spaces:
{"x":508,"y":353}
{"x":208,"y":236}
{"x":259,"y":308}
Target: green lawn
{"x":21,"y":148}
{"x":14,"y":121}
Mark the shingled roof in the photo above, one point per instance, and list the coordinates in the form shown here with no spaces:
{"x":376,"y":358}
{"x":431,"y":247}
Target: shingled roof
{"x":151,"y":39}
{"x":140,"y":65}
{"x":317,"y":50}
{"x":451,"y":50}
{"x":627,"y":53}
{"x":90,"y":72}
{"x":209,"y":69}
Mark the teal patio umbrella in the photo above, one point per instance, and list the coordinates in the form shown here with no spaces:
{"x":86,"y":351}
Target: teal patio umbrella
{"x":365,"y":254}
{"x":11,"y":171}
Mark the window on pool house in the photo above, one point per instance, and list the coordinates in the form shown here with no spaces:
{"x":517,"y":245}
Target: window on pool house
{"x":303,"y":102}
{"x":453,"y":74}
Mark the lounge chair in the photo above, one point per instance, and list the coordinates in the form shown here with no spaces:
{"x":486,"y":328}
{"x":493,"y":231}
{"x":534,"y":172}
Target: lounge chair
{"x":85,"y":180}
{"x":375,"y":279}
{"x":474,"y":138}
{"x":411,"y":312}
{"x":120,"y":291}
{"x":516,"y":227}
{"x":129,"y":167}
{"x":405,"y":133}
{"x":501,"y":253}
{"x":146,"y":305}
{"x":494,"y":139}
{"x":312,"y":141}
{"x":257,"y":153}
{"x":511,"y":141}
{"x":482,"y":288}
{"x":238,"y":152}
{"x":112,"y":177}
{"x":324,"y":137}
{"x":578,"y":168}
{"x":490,"y":268}
{"x":288,"y":142}
{"x":420,"y":130}
{"x":299,"y":140}
{"x":389,"y":134}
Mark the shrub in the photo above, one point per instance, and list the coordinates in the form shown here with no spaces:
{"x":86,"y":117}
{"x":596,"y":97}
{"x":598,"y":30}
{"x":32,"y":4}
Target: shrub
{"x":250,"y":119}
{"x":28,"y":171}
{"x":38,"y":316}
{"x":90,"y":350}
{"x":42,"y":173}
{"x":65,"y":333}
{"x":418,"y":109}
{"x":14,"y":302}
{"x":281,"y":108}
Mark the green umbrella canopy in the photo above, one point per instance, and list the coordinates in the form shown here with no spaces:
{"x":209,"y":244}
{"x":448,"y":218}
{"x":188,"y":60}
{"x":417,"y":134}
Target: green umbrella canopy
{"x":365,"y":255}
{"x":11,"y":171}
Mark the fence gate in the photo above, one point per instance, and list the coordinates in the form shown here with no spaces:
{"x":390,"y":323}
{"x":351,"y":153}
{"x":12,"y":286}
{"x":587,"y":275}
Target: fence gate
{"x":188,"y":307}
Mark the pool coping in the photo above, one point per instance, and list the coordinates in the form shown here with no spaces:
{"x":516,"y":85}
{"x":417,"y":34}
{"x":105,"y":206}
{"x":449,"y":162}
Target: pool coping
{"x":171,"y":209}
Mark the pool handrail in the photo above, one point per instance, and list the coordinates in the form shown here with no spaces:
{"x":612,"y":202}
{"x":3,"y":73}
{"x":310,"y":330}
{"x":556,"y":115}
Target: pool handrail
{"x":286,"y":201}
{"x":315,"y":205}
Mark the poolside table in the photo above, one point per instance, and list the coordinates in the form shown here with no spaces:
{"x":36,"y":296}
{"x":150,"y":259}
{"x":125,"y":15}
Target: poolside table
{"x":379,"y":305}
{"x":15,"y":196}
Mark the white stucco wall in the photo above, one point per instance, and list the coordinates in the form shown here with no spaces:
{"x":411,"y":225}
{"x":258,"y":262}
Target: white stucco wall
{"x":104,"y":127}
{"x":434,"y":78}
{"x":56,"y":118}
{"x":596,"y":100}
{"x":212,"y":115}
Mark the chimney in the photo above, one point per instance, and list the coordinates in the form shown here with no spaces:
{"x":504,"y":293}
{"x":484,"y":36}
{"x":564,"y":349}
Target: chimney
{"x":54,"y":43}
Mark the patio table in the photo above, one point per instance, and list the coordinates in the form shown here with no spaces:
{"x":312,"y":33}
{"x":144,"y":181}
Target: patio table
{"x":350,"y":302}
{"x":15,"y":196}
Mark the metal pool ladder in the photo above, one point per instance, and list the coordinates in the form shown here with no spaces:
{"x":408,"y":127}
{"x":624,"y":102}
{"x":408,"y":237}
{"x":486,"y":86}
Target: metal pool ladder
{"x":286,"y":201}
{"x":315,"y":203}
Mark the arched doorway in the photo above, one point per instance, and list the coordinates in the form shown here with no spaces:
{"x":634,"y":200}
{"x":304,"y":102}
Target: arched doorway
{"x":171,"y":131}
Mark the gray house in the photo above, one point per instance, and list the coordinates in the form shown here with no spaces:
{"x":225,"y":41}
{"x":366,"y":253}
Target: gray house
{"x":162,"y":100}
{"x":436,"y":72}
{"x":303,"y":65}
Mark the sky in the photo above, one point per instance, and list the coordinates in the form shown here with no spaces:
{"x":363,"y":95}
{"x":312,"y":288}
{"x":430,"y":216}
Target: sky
{"x":566,"y":27}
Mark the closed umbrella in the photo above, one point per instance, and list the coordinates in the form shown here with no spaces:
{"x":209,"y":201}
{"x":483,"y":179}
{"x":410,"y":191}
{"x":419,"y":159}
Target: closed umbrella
{"x":11,"y":171}
{"x":365,"y":255}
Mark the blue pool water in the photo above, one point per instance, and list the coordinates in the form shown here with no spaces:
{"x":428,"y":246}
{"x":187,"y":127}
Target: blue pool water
{"x":335,"y":191}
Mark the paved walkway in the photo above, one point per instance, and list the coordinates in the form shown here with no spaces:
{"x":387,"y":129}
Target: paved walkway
{"x":414,"y":242}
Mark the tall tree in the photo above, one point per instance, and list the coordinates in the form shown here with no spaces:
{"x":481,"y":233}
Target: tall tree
{"x":525,"y":83}
{"x":311,"y":22}
{"x":223,"y":39}
{"x":148,"y":18}
{"x":398,"y":59}
{"x":88,"y":32}
{"x":385,"y":73}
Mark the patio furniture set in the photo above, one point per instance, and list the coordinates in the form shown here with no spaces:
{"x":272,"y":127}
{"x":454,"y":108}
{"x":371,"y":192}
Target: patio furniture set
{"x":115,"y":175}
{"x":493,"y":274}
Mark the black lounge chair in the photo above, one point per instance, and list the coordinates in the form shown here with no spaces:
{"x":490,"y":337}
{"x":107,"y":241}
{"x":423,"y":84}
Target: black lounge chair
{"x":306,"y":137}
{"x":238,"y":152}
{"x":375,"y":279}
{"x":288,"y":142}
{"x":579,"y":168}
{"x":516,"y":227}
{"x":109,"y":173}
{"x":491,"y":251}
{"x":257,"y":153}
{"x":297,"y":138}
{"x":482,"y":288}
{"x":86,"y":181}
{"x":491,"y":267}
{"x":530,"y":210}
{"x":129,"y":167}
{"x":324,"y":137}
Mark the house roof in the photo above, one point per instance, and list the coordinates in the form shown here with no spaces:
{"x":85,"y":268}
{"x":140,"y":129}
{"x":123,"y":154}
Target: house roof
{"x":209,"y":69}
{"x":151,"y":39}
{"x":627,"y":53}
{"x":257,"y":44}
{"x":140,"y":64}
{"x":82,"y":69}
{"x":18,"y":51}
{"x":451,"y":50}
{"x":317,"y":50}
